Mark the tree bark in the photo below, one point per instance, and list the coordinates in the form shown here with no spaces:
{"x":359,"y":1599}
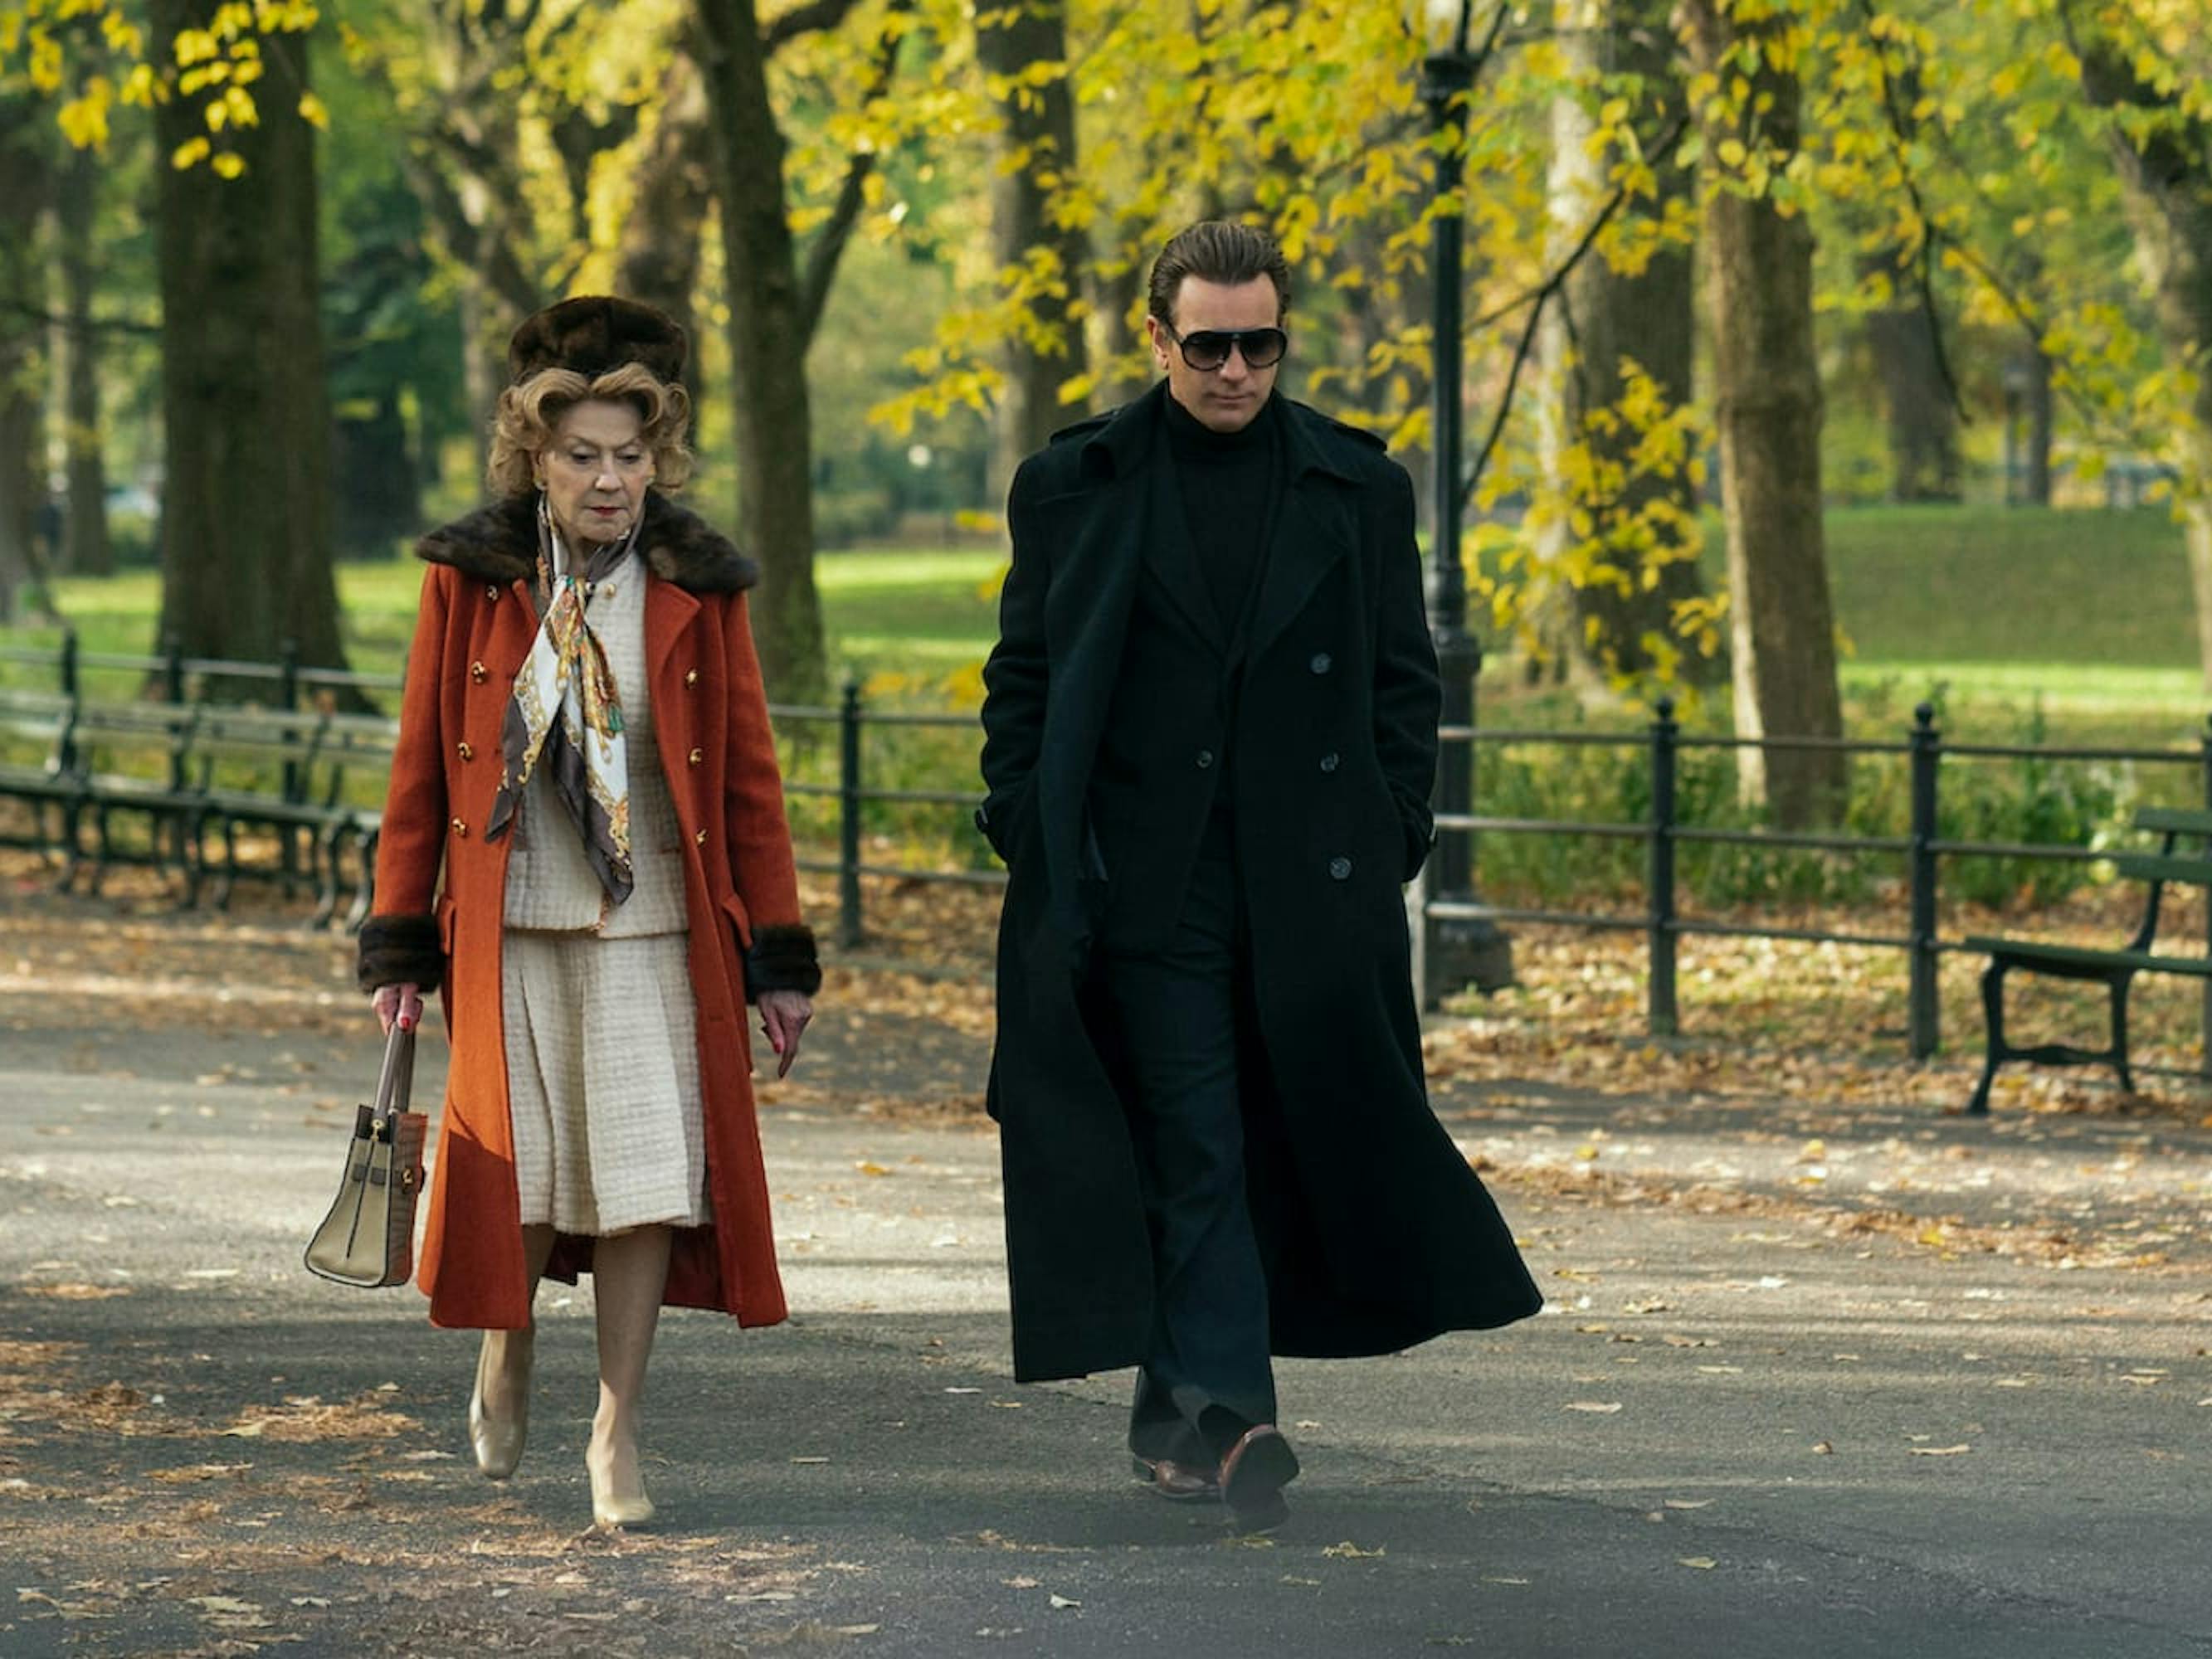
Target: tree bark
{"x":1918,"y":408}
{"x":26,"y":153}
{"x":1036,"y":144}
{"x":1611,"y":620}
{"x":1759,"y":266}
{"x":246,"y":540}
{"x":2165,"y":183}
{"x":671,"y":197}
{"x":87,"y":551}
{"x":768,"y":335}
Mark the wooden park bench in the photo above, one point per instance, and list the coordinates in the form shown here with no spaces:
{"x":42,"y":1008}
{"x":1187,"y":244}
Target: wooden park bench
{"x":2115,"y":970}
{"x":135,"y":758}
{"x":257,"y":767}
{"x":353,"y":746}
{"x":38,"y":764}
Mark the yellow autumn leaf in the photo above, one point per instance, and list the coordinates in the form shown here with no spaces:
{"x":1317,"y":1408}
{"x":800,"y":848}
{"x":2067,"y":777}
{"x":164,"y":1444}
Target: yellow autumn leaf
{"x":190,"y":154}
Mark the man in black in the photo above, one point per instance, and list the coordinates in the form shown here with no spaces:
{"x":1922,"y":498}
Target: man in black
{"x":1210,"y":736}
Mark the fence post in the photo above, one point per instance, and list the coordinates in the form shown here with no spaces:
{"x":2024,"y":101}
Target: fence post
{"x":849,"y":815}
{"x":2204,"y":748}
{"x":173,"y":669}
{"x":292,"y":781}
{"x":1662,"y":1016}
{"x":1923,"y":1021}
{"x":67,"y":664}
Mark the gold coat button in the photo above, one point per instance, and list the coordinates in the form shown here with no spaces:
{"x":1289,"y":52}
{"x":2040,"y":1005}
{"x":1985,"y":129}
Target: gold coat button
{"x":697,"y":756}
{"x":478,"y":672}
{"x":699,"y":838}
{"x":461,"y":826}
{"x":690,"y":677}
{"x":466,"y":752}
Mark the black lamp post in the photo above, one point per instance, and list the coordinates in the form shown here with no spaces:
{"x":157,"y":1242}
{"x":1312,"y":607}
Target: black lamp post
{"x":1456,"y":951}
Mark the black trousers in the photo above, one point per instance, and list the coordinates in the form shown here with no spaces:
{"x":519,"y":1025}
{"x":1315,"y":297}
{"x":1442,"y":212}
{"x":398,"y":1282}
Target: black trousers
{"x":1207,"y":1376}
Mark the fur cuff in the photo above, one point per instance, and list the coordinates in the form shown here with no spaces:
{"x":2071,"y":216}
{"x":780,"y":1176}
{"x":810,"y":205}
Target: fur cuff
{"x":401,"y":950}
{"x":783,"y":959}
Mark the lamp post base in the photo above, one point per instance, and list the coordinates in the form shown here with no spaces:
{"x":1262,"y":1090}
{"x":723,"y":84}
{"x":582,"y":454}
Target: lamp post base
{"x":1461,"y":952}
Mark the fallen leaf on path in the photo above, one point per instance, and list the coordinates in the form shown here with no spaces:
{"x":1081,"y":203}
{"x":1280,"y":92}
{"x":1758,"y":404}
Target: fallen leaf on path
{"x":1702,"y":1563}
{"x":1598,"y":1407}
{"x":1349,"y":1551}
{"x":1941,"y":1451}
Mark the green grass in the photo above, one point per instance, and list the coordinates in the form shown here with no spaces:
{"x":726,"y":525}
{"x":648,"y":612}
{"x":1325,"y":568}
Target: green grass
{"x":2084,"y":614}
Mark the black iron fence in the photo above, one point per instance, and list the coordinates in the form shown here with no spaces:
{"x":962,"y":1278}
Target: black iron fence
{"x":1922,"y":851}
{"x":1920,"y":854}
{"x":181,"y":677}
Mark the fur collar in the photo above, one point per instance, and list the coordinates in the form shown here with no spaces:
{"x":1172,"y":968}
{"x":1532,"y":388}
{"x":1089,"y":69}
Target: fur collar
{"x":499,"y":544}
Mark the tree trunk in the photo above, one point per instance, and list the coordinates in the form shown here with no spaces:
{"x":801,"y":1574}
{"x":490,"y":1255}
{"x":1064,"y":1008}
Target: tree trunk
{"x":2165,"y":183}
{"x":88,"y":552}
{"x":671,"y":195}
{"x":1919,"y":407}
{"x":1114,"y":295}
{"x":245,"y":539}
{"x":376,"y":498}
{"x":1036,"y":145}
{"x":768,"y":335}
{"x":1767,"y":406}
{"x":2039,"y":412}
{"x":1618,"y":621}
{"x":25,"y":152}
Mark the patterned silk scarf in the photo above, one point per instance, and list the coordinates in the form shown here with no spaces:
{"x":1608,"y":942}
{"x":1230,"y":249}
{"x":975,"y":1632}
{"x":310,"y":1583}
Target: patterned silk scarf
{"x":566,"y":712}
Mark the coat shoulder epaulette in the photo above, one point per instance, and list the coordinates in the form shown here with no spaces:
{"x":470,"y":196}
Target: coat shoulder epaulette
{"x":1346,"y":429}
{"x":1080,"y":429}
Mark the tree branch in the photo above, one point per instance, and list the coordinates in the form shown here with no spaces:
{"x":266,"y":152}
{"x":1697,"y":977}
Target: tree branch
{"x":1542,"y":295}
{"x":830,"y":243}
{"x":815,"y":17}
{"x":1924,"y":266}
{"x":45,"y":318}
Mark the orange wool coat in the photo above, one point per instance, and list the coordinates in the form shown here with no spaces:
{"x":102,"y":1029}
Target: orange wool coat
{"x":473,"y":631}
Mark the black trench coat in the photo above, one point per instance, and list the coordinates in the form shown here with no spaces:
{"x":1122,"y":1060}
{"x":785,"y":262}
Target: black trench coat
{"x":1375,"y":1233}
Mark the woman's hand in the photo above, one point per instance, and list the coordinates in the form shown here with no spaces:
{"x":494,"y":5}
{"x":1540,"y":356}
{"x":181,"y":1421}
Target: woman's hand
{"x":783,"y":1016}
{"x":397,"y":1002}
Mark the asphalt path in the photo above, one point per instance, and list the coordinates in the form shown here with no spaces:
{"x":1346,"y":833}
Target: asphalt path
{"x":1749,"y":1423}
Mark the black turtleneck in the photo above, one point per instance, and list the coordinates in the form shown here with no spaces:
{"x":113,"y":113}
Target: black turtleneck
{"x":1229,"y":483}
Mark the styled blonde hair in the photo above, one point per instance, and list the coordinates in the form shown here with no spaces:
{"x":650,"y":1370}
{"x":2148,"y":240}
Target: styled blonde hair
{"x":528,"y":411}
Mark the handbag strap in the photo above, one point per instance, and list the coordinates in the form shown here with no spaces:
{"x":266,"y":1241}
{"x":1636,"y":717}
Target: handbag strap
{"x":397,"y":1079}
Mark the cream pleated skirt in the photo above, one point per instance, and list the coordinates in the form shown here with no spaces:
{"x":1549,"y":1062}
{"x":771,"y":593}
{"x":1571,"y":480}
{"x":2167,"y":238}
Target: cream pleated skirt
{"x":602,"y":1081}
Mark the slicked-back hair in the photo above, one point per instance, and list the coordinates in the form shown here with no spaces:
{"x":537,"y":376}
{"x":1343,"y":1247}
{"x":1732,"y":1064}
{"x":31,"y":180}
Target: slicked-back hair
{"x":1220,"y":250}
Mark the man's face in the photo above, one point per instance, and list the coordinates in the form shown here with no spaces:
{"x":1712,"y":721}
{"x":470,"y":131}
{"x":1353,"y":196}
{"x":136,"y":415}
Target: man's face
{"x":1224,"y":399}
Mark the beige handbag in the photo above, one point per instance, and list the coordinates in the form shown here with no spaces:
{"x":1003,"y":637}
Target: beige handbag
{"x":368,"y":1237}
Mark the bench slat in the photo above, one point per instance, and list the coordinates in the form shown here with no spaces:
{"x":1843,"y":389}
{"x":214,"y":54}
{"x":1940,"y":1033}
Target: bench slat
{"x":2149,"y":961}
{"x":2177,"y":820}
{"x":2150,"y":866}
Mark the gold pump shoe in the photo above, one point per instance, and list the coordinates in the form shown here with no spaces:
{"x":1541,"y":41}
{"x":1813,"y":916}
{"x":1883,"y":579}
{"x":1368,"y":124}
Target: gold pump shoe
{"x":498,"y":1441}
{"x":612,"y":1509}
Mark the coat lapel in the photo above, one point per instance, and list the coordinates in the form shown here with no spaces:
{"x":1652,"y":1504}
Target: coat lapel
{"x":668,"y":611}
{"x":1314,"y":528}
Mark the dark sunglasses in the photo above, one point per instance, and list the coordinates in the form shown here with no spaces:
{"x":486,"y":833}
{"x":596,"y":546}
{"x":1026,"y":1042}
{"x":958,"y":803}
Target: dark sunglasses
{"x":1207,"y":348}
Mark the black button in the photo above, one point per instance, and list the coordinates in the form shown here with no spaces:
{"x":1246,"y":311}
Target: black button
{"x":1205,"y":759}
{"x":1340,"y":869}
{"x":1328,"y":762}
{"x":1322,"y":662}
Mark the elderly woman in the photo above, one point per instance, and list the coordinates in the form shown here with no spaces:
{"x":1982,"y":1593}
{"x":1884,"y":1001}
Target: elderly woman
{"x":583,"y":748}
